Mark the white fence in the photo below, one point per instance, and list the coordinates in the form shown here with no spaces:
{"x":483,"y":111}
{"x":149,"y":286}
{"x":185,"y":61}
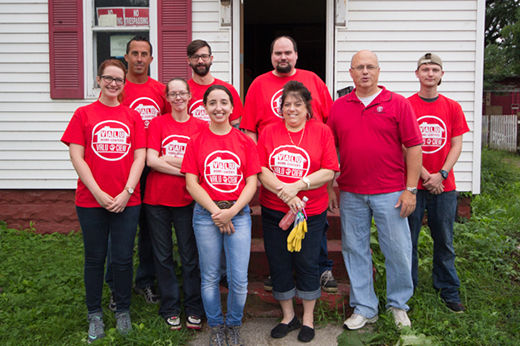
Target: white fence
{"x":500,"y":132}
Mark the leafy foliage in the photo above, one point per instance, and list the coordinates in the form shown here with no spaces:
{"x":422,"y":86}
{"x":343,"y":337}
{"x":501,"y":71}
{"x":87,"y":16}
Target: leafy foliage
{"x":488,"y":264}
{"x":502,"y":42}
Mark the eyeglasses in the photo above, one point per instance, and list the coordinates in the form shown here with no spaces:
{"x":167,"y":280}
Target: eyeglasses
{"x":361,"y":68}
{"x":110,"y":79}
{"x":182,"y":94}
{"x":204,"y":57}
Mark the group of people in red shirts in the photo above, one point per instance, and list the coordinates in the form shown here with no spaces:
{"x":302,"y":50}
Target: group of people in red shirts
{"x":201,"y":174}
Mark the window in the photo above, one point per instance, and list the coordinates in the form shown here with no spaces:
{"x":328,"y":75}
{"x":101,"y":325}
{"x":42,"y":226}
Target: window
{"x":113,"y":24}
{"x":79,"y":40}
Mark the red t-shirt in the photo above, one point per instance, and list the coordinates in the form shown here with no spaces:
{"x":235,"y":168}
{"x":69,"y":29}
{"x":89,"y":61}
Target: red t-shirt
{"x":169,"y":137}
{"x":290,"y":162}
{"x":222,"y":163}
{"x":196,"y":106}
{"x":109,"y":135}
{"x":262,"y":105}
{"x":439,"y":121}
{"x":370,"y":141}
{"x":149,"y":99}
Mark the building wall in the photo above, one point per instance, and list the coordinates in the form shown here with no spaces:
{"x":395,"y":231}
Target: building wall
{"x":399,"y":32}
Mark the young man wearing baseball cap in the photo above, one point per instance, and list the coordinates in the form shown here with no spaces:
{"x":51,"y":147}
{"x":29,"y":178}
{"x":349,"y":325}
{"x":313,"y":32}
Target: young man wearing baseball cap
{"x":442,"y":124}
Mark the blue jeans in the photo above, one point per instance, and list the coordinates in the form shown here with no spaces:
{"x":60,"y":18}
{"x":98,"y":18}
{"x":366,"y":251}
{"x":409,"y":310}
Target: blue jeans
{"x":441,"y":211}
{"x":325,"y":262}
{"x":237,"y":247}
{"x":160,"y":219}
{"x":283,"y":263}
{"x":357,"y":211}
{"x":97,"y":224}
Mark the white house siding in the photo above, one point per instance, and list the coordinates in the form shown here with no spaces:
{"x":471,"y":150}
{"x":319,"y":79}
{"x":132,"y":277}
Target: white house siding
{"x":207,"y":26}
{"x":399,"y":32}
{"x":31,"y":156}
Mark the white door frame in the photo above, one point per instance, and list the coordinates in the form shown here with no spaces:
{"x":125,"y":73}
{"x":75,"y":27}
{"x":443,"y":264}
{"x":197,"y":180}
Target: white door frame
{"x":329,"y":46}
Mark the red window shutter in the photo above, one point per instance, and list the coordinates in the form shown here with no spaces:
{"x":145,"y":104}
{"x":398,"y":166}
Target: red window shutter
{"x":174,"y":34}
{"x":66,"y":49}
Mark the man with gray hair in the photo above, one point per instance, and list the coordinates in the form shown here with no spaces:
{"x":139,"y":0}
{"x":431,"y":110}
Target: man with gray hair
{"x":371,"y":125}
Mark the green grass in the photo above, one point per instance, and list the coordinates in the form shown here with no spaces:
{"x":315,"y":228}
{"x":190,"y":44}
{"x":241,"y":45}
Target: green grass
{"x":42,"y":292}
{"x":488,"y":264}
{"x":42,"y":296}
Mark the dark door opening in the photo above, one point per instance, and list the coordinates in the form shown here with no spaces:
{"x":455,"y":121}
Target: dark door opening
{"x":304,"y":20}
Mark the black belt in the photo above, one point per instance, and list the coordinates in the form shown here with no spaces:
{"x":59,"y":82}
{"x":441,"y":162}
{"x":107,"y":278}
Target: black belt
{"x":227,"y":205}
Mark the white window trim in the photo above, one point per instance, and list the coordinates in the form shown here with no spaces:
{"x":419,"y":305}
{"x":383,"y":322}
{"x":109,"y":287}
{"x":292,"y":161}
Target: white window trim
{"x":89,"y":49}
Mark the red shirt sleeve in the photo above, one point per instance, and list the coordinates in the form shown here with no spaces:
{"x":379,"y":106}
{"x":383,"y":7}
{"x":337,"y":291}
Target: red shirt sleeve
{"x":74,"y":131}
{"x":252,"y":160}
{"x":248,"y":121}
{"x":189,"y":162}
{"x":238,"y":109}
{"x":140,"y":132}
{"x":408,"y":126}
{"x":154,"y":135}
{"x":459,"y":124}
{"x":329,"y":159}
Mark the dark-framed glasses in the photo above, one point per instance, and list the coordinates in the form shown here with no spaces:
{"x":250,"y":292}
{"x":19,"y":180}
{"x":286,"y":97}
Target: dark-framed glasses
{"x":182,"y":94}
{"x":196,"y":57}
{"x":110,"y":79}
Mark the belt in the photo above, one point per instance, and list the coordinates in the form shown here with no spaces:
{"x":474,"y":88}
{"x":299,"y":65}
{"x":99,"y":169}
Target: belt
{"x":227,"y":205}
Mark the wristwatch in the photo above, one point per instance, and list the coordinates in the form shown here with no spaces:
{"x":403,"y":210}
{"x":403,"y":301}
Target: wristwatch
{"x":129,"y":190}
{"x":413,"y":190}
{"x":444,"y":174}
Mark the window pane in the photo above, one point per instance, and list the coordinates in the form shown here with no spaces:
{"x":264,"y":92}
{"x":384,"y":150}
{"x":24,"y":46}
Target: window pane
{"x":127,"y":12}
{"x":113,"y":45}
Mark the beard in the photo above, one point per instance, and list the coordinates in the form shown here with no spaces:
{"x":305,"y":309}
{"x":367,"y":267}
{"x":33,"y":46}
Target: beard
{"x":201,"y":70}
{"x":283,"y":69}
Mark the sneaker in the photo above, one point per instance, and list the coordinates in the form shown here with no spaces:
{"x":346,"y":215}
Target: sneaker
{"x":217,"y":336}
{"x":194,"y":322}
{"x":400,"y":317}
{"x":357,"y":321}
{"x":268,"y":284}
{"x":233,"y":336}
{"x":112,"y":303}
{"x":147,"y":292}
{"x":123,"y":322}
{"x":174,"y":322}
{"x":96,"y":327}
{"x":457,"y":308}
{"x":328,"y":283}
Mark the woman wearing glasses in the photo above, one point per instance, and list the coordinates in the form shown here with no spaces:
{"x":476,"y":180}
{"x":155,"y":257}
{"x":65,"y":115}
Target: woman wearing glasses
{"x":221,"y":164}
{"x":107,"y":148}
{"x":168,"y":203}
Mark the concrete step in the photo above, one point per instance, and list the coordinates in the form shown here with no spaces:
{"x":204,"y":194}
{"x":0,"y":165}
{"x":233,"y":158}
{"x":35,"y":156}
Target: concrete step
{"x":259,"y":267}
{"x":260,"y":303}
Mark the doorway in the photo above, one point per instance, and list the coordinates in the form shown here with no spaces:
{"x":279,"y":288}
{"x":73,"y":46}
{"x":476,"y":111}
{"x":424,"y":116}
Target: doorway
{"x":304,"y":20}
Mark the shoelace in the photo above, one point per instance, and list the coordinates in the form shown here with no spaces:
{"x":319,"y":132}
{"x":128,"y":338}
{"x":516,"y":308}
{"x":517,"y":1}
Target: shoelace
{"x":326,"y":277}
{"x":234,"y":335}
{"x":218,"y":337}
{"x":149,"y":294}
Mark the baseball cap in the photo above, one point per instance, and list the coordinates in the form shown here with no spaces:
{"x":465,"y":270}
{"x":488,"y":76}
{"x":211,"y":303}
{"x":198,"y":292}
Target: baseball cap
{"x":429,"y":58}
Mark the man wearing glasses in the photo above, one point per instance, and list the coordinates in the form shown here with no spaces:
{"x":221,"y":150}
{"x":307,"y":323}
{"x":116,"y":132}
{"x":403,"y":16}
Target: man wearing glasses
{"x":200,"y":60}
{"x":371,"y":126}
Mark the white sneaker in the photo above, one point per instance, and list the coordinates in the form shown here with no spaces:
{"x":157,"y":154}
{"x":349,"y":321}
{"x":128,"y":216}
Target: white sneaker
{"x":400,"y":317}
{"x":357,"y":321}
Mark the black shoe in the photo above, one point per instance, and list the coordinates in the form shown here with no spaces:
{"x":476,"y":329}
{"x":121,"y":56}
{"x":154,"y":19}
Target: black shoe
{"x":283,"y":329}
{"x":456,"y":307}
{"x":149,"y":295}
{"x":306,"y":334}
{"x":268,"y":284}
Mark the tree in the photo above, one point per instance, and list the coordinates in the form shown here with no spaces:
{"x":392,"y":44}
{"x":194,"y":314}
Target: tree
{"x":502,"y":42}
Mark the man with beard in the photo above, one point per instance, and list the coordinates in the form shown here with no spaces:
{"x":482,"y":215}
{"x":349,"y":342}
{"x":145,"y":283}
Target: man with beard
{"x":200,"y":60}
{"x":262,"y":107}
